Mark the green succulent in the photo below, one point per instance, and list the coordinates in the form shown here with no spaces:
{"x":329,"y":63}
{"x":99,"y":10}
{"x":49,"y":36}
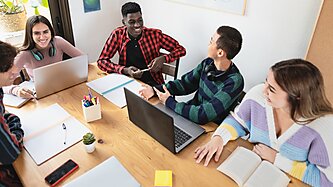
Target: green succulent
{"x":89,"y":138}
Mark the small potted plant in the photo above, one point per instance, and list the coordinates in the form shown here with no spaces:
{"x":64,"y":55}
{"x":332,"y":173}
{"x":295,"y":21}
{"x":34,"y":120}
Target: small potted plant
{"x":13,"y":13}
{"x":89,"y":142}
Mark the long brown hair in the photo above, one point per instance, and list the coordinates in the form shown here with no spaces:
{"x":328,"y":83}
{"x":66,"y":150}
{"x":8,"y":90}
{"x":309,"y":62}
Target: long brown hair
{"x":29,"y":43}
{"x":304,"y":85}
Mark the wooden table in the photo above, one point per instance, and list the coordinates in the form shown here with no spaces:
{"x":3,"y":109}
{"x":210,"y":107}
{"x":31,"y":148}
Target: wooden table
{"x":140,"y":154}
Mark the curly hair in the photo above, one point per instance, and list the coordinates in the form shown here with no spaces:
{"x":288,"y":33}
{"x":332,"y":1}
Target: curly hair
{"x":130,"y":7}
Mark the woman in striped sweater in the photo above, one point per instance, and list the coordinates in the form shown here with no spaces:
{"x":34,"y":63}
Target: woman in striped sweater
{"x":290,"y":121}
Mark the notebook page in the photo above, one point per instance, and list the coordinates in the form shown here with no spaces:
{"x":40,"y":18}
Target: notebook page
{"x":111,"y":81}
{"x":240,"y":165}
{"x":267,"y":175}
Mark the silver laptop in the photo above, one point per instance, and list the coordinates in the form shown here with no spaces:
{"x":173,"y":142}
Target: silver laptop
{"x":61,"y":75}
{"x":109,"y":173}
{"x":170,"y":129}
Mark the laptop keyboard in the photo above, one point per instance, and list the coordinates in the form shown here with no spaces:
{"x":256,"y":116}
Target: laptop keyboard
{"x":180,"y":137}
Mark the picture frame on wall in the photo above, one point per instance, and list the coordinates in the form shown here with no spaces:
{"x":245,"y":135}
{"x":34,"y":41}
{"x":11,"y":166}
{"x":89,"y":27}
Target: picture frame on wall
{"x":91,"y":5}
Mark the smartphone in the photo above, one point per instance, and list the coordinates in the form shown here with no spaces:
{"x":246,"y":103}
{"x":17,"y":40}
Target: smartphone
{"x":61,"y":172}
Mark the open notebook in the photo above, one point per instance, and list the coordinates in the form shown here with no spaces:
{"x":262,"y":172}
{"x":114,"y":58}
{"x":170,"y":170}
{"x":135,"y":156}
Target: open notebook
{"x":112,"y":87}
{"x":247,"y":169}
{"x":49,"y":131}
{"x":15,"y":101}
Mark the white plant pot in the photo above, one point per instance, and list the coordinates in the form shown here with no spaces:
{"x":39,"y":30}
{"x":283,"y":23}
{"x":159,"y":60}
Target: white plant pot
{"x":90,"y":148}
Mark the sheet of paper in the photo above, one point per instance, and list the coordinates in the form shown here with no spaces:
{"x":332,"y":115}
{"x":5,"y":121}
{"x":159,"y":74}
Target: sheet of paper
{"x":45,"y":135}
{"x":41,"y":120}
{"x":264,"y":174}
{"x":240,"y":165}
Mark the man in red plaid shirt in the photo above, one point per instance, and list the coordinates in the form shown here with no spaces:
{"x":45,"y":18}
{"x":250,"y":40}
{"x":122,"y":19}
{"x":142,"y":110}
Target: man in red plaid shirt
{"x":138,"y":48}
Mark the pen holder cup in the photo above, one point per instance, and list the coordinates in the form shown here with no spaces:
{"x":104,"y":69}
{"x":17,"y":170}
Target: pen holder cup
{"x":91,"y":113}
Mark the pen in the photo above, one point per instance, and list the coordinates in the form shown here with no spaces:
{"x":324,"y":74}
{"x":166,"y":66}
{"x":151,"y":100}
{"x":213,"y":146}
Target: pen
{"x":65,"y":129}
{"x":143,"y":70}
{"x":90,"y":95}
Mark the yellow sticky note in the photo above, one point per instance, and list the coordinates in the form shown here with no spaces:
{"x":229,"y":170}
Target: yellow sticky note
{"x":163,"y":178}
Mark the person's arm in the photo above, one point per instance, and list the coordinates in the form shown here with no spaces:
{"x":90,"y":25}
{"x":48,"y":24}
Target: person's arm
{"x":18,"y":91}
{"x":68,"y":48}
{"x":188,"y":83}
{"x":229,"y":129}
{"x":210,"y":110}
{"x":109,"y":50}
{"x":171,"y":45}
{"x":11,"y":136}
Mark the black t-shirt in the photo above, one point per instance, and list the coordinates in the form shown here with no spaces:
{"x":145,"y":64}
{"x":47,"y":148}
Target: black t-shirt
{"x":135,"y":58}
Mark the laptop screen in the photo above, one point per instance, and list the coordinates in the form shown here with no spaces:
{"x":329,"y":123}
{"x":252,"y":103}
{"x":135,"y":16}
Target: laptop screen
{"x":151,"y":119}
{"x":60,"y":75}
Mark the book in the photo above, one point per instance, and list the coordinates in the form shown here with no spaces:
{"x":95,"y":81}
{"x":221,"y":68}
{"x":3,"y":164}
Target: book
{"x":15,"y":101}
{"x":108,"y":173}
{"x":112,"y":87}
{"x":247,"y":169}
{"x":163,"y":178}
{"x":50,"y":131}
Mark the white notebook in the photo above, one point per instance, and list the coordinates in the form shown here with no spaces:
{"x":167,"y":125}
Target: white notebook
{"x":112,"y":87}
{"x":109,"y":173}
{"x":49,"y":131}
{"x":15,"y":101}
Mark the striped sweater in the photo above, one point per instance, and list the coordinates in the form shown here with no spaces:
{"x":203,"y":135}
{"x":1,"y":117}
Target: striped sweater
{"x":11,"y":135}
{"x":212,"y":99}
{"x":304,"y":151}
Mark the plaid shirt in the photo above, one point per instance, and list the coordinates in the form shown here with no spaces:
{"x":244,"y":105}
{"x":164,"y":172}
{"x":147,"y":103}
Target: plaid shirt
{"x":150,"y":43}
{"x":11,"y":135}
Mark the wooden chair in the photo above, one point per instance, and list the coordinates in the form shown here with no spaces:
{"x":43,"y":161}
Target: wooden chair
{"x":170,"y":69}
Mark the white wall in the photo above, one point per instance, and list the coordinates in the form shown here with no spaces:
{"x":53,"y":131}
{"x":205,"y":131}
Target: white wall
{"x":92,"y":29}
{"x":272,"y":30}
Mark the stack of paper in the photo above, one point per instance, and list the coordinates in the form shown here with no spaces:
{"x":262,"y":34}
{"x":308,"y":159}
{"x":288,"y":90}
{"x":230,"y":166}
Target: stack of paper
{"x":112,"y":87}
{"x":49,"y":131}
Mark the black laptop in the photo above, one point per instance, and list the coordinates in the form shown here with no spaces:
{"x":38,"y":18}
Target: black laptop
{"x":170,"y":129}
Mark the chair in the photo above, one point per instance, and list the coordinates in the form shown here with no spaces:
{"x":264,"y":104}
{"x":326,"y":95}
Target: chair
{"x":170,"y":69}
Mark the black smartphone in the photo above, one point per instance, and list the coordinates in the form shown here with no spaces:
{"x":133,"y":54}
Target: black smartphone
{"x":61,"y":172}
